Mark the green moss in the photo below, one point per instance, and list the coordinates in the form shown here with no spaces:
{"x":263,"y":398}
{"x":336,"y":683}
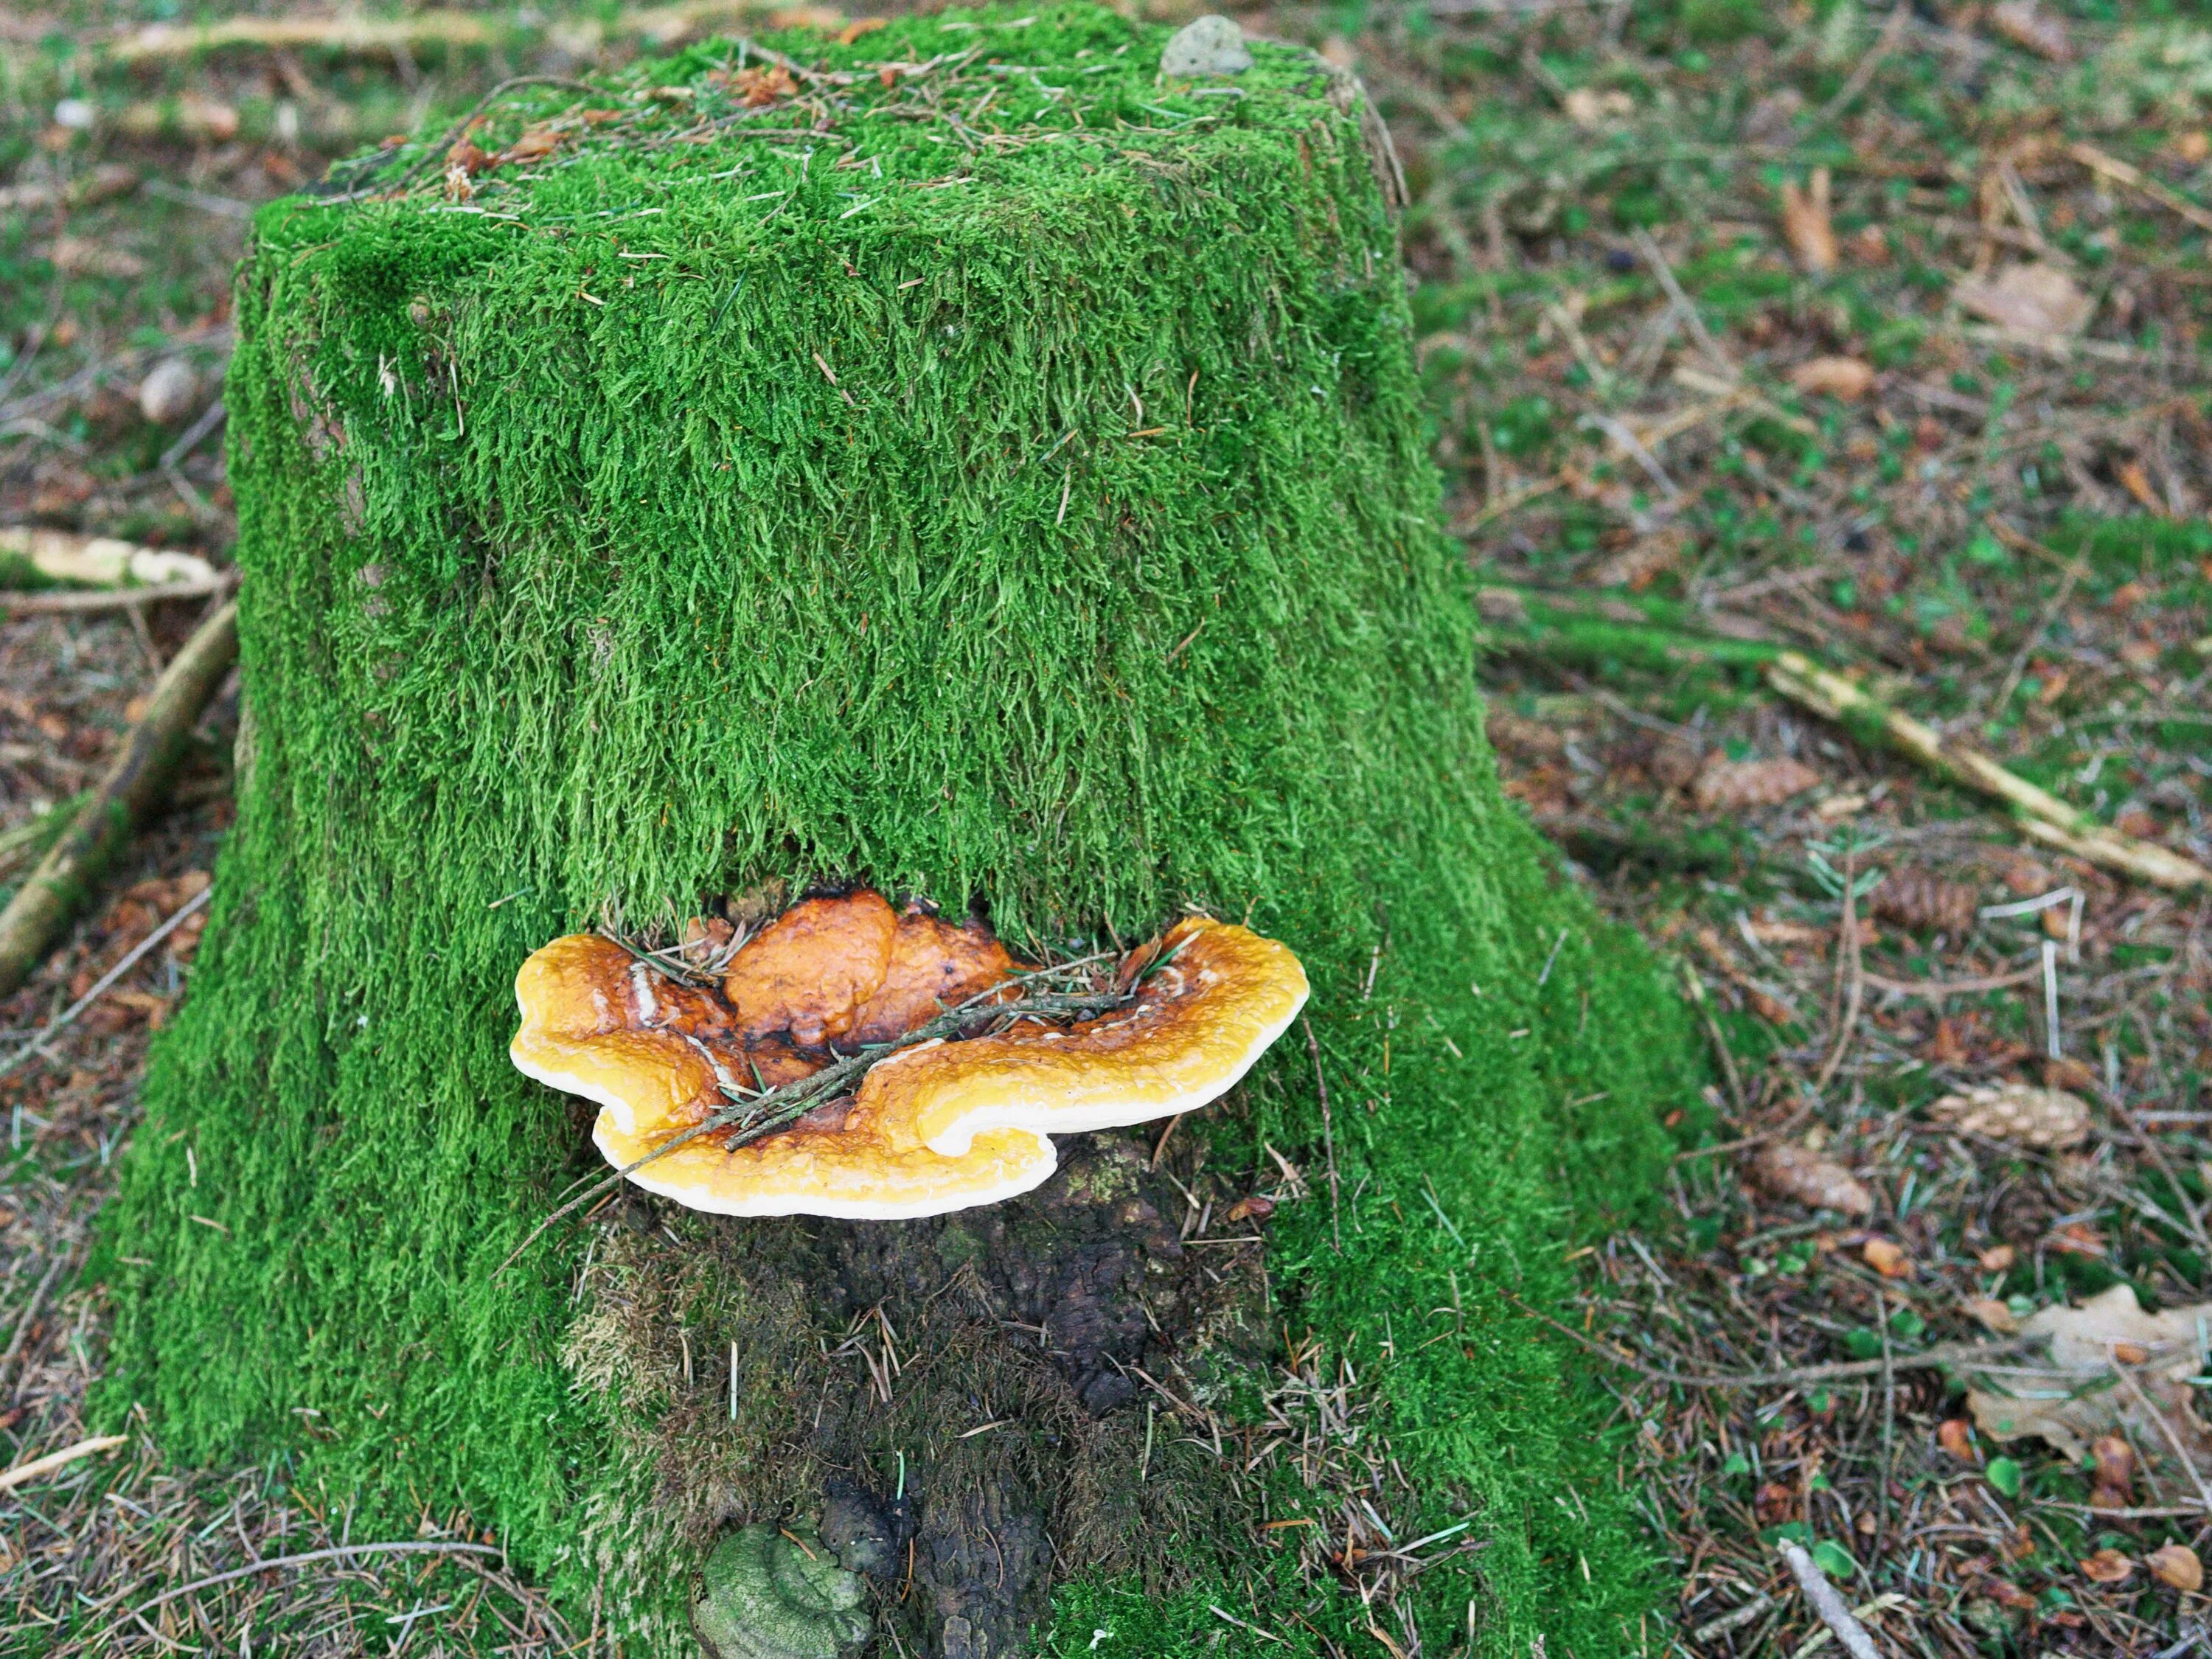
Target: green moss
{"x":1026,"y":509}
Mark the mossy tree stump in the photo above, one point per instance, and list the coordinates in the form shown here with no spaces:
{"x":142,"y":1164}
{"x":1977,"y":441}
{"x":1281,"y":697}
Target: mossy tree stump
{"x":962,"y":461}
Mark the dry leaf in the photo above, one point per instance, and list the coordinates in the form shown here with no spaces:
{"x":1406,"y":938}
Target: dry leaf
{"x":2072,"y":1394}
{"x":860,"y":26}
{"x":2114,"y":1484}
{"x":533,"y":143}
{"x":1848,"y":378}
{"x":1805,"y":223}
{"x":2018,"y":1112}
{"x":1727,"y":785}
{"x":2136,"y":483}
{"x":469,"y":158}
{"x":2194,"y":146}
{"x":1639,"y":564}
{"x":1870,"y":244}
{"x":2030,"y":28}
{"x":2108,"y":1566}
{"x":1993,"y":1314}
{"x":1997,"y":1258}
{"x":2077,"y":1238}
{"x":80,"y":256}
{"x":1956,"y":1435}
{"x":1588,"y":108}
{"x":1919,"y":899}
{"x":1887,"y":1259}
{"x":1771,"y":1009}
{"x":1806,"y":1177}
{"x":757,"y":88}
{"x":2176,"y":1564}
{"x":2036,"y":300}
{"x":1253,"y":1206}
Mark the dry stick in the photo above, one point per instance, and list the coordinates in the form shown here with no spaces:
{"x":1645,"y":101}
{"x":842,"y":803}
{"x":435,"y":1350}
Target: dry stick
{"x":1849,"y":1634}
{"x":1729,"y":1073}
{"x":1327,"y":1133}
{"x":138,"y":780}
{"x":22,"y":1473}
{"x":1942,"y":1355}
{"x":2166,"y":1429}
{"x":2075,"y":569}
{"x":1656,"y":257}
{"x":759,"y":1115}
{"x":30,"y":1313}
{"x":337,"y":1552}
{"x":1850,"y":968}
{"x":60,"y":1022}
{"x":2114,"y":168}
{"x":1936,"y":989}
{"x":113,"y":599}
{"x":1497,"y":505}
{"x":2045,"y":817}
{"x":1892,"y":31}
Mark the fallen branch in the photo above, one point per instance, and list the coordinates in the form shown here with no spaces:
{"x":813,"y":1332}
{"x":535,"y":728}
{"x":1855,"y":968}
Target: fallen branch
{"x":1656,"y":633}
{"x":1834,"y":1613}
{"x":1944,"y":1356}
{"x":138,"y":780}
{"x":101,"y":561}
{"x":74,"y":601}
{"x":22,"y":1473}
{"x":2120,"y":173}
{"x":2045,"y":816}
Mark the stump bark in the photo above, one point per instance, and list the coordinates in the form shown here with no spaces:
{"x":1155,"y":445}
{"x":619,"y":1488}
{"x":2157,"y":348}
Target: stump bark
{"x":965,"y":461}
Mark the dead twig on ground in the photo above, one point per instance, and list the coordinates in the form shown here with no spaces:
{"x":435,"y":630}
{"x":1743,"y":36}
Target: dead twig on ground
{"x":23,"y":1473}
{"x":1834,"y":1613}
{"x":138,"y":780}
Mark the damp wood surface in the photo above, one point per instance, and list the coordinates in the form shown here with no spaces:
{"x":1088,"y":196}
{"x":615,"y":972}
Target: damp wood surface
{"x":1998,"y":528}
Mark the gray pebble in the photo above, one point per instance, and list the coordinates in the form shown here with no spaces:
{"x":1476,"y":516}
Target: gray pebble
{"x":1208,"y":45}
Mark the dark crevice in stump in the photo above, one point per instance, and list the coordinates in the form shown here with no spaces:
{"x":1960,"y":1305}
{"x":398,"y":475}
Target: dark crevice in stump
{"x":1042,"y":1358}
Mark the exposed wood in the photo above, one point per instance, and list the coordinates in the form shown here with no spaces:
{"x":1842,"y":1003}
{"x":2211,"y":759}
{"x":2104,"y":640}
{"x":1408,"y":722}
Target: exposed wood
{"x":134,"y":785}
{"x":101,"y":561}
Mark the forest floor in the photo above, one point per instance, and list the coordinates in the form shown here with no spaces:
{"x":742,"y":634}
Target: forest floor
{"x":1871,"y":335}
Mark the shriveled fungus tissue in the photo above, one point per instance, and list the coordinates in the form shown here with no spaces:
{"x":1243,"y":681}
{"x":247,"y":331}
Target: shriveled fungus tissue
{"x":875,"y":1064}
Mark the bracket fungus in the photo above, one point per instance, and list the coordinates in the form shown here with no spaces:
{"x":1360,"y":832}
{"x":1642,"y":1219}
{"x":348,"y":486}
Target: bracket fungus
{"x":737,"y":1102}
{"x":771,"y":1594}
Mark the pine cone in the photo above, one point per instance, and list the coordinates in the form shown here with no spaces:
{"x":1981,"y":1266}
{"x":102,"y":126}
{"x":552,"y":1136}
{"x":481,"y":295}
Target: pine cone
{"x":2018,"y":1112}
{"x":1805,"y":1177}
{"x":1921,"y":901}
{"x":1727,"y":785}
